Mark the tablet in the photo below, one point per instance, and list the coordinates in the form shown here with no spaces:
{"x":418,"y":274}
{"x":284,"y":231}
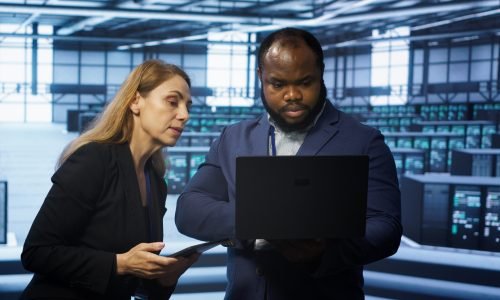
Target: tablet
{"x":200,"y":248}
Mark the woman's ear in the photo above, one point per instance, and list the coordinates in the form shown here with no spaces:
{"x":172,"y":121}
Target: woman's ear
{"x":134,"y":106}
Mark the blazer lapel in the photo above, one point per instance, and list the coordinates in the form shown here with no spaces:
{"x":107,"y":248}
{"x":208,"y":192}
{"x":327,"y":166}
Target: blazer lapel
{"x":260,"y":137}
{"x":322,"y":132}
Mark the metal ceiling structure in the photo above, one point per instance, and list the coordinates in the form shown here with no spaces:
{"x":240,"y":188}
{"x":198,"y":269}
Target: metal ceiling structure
{"x":144,"y":23}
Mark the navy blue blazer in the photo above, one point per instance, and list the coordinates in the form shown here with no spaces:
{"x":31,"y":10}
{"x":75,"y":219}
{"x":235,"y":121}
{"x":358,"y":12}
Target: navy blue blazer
{"x":92,"y":212}
{"x":205,"y":210}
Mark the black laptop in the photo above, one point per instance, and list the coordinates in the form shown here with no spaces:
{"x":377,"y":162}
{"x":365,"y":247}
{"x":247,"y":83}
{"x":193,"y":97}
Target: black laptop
{"x":301,"y":197}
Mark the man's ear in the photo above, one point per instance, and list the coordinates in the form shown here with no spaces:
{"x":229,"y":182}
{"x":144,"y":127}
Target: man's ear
{"x":134,"y":105}
{"x":259,"y":73}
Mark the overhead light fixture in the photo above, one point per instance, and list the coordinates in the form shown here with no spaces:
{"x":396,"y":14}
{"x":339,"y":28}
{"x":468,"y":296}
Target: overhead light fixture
{"x":465,"y":38}
{"x":123,"y":47}
{"x":152,"y":43}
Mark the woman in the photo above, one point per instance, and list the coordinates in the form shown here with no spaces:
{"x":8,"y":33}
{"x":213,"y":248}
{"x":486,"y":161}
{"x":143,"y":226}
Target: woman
{"x":99,"y":231}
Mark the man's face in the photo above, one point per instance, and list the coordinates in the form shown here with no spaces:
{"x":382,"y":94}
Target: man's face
{"x":291,"y":85}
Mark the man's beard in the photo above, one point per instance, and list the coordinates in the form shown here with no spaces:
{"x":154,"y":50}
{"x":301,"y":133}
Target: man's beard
{"x":309,"y":119}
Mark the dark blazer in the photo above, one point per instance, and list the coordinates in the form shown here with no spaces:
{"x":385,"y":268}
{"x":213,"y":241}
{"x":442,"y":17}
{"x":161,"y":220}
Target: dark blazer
{"x":92,"y":212}
{"x":205,"y":210}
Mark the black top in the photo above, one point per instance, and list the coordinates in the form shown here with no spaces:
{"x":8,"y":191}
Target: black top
{"x":92,"y":212}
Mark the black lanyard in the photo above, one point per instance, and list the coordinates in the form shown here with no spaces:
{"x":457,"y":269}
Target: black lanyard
{"x":272,"y":135}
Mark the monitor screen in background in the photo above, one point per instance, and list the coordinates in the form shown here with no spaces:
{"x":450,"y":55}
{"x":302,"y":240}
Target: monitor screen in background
{"x":414,"y":163}
{"x":460,"y":129}
{"x":176,"y":173}
{"x":201,"y":141}
{"x":490,"y":240}
{"x":404,"y":142}
{"x":473,"y":130}
{"x":428,"y":128}
{"x":438,"y":143}
{"x":391,"y":142}
{"x":437,"y":160}
{"x":465,"y":219}
{"x":421,"y":143}
{"x":454,"y":143}
{"x":194,"y":162}
{"x":398,"y":160}
{"x":488,"y":130}
{"x":442,"y":128}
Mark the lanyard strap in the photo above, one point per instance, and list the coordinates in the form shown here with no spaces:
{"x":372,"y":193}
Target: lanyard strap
{"x":152,"y":233}
{"x":272,"y":135}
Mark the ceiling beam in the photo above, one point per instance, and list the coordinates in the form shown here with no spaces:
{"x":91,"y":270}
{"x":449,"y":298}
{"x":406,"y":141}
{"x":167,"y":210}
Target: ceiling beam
{"x":427,"y":37}
{"x":334,"y":19}
{"x":74,"y":38}
{"x":139,"y":14}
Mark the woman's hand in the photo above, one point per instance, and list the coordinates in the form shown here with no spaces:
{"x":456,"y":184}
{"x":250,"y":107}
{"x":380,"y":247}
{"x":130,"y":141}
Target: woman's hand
{"x":177,"y":268}
{"x":143,"y":261}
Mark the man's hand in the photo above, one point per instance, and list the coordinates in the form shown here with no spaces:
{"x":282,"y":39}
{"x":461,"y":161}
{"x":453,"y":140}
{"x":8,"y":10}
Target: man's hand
{"x":300,"y":251}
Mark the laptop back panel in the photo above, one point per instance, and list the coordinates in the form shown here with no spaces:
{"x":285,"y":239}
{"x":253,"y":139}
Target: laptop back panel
{"x":301,"y":197}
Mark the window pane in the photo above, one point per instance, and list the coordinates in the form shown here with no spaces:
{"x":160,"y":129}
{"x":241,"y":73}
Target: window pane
{"x":120,"y":58}
{"x":171,"y":58}
{"x":399,"y":75}
{"x":13,"y":73}
{"x":458,"y":72}
{"x":116,"y":75}
{"x":480,"y":71}
{"x":399,"y":58}
{"x":219,"y":61}
{"x":380,"y":76}
{"x":92,"y":75}
{"x":65,"y":57}
{"x":438,"y":55}
{"x":481,"y":52}
{"x":437,"y":73}
{"x":197,"y":61}
{"x":218,"y":78}
{"x":459,"y":54}
{"x":92,"y":57}
{"x":380,"y":59}
{"x":12,"y":55}
{"x":65,"y":74}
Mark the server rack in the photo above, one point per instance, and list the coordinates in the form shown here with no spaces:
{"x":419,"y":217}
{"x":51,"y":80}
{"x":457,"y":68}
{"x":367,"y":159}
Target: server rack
{"x":438,"y":146}
{"x":452,"y":211}
{"x":477,"y":133}
{"x":476,"y":162}
{"x":182,"y":163}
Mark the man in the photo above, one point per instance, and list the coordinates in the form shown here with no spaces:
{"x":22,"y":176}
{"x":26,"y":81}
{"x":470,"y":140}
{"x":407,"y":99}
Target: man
{"x":299,"y":121}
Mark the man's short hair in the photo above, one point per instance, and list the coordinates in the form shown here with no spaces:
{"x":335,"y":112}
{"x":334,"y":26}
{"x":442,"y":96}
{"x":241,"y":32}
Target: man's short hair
{"x":291,"y":35}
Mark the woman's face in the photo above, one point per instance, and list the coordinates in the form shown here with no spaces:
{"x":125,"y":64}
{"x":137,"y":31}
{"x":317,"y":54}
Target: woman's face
{"x":161,"y":115}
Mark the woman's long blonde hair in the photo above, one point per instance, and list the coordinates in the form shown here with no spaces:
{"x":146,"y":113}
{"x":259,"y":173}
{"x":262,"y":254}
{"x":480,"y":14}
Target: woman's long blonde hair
{"x":115,"y":124}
